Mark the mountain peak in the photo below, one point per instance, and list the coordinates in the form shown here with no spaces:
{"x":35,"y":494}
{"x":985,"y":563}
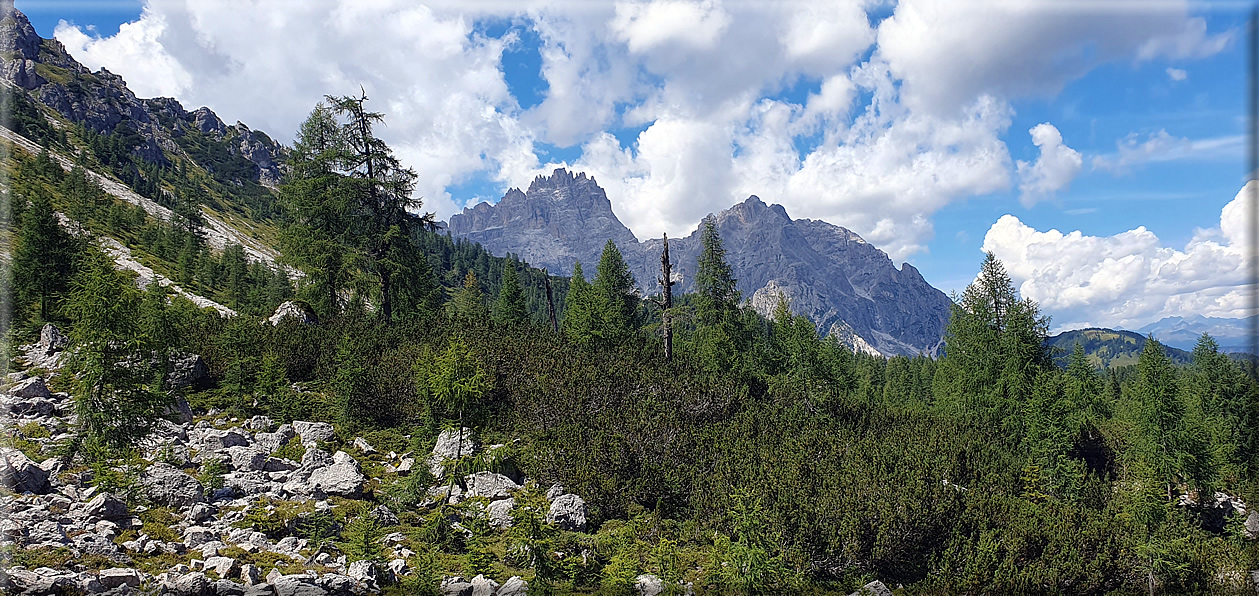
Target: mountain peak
{"x":844,"y":285}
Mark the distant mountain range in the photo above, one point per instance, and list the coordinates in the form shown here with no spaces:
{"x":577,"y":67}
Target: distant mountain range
{"x":848,"y":287}
{"x":1233,"y":335}
{"x":1108,"y":348}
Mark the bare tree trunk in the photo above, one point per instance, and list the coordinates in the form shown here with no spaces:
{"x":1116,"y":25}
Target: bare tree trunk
{"x":550,"y":302}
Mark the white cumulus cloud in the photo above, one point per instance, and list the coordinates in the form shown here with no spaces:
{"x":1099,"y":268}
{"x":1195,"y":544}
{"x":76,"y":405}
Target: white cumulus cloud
{"x":1052,"y":171}
{"x":896,"y":120}
{"x":1130,"y":279}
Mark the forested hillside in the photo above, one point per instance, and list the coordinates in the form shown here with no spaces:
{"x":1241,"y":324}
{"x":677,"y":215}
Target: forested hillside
{"x":428,"y":424}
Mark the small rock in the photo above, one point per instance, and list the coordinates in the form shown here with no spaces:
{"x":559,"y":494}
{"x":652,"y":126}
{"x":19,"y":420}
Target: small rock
{"x":169,"y":486}
{"x":314,"y":432}
{"x":200,"y":512}
{"x":22,"y":474}
{"x":32,"y":388}
{"x":554,"y":492}
{"x":269,"y":442}
{"x":483,"y":586}
{"x":456,"y":586}
{"x":249,"y":574}
{"x":108,"y":507}
{"x":500,"y":513}
{"x":1252,"y":527}
{"x":515,"y":586}
{"x":398,"y":567}
{"x":874,"y":588}
{"x":568,"y":511}
{"x":119,"y":576}
{"x":343,"y":478}
{"x":223,"y":566}
{"x":197,"y":536}
{"x":490,"y":485}
{"x":363,"y":572}
{"x":648,"y":585}
{"x":363,"y":446}
{"x":191,"y":584}
{"x":449,"y":446}
{"x":384,"y":516}
{"x":259,"y":423}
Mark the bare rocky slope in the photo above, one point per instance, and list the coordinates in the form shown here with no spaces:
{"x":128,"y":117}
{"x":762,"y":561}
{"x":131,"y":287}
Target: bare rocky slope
{"x":847,"y":286}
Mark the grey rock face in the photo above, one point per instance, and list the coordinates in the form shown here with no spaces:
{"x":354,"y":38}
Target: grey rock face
{"x":449,"y":446}
{"x":187,"y":370}
{"x":490,"y":485}
{"x":343,"y":478}
{"x":101,"y":101}
{"x":568,"y":512}
{"x":842,"y":283}
{"x":1252,"y":525}
{"x":874,"y":588}
{"x":295,"y":311}
{"x":167,"y":485}
{"x":314,"y":432}
{"x":21,"y":474}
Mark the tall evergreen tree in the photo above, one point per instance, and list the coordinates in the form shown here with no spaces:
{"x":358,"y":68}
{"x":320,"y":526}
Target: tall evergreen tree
{"x":717,"y":337}
{"x":578,"y":321}
{"x":614,"y":284}
{"x":42,"y":260}
{"x":510,"y":307}
{"x":382,"y":189}
{"x":994,"y":349}
{"x":117,"y":390}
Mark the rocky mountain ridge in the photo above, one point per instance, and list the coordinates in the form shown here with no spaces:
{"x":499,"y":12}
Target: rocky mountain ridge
{"x":848,"y":287}
{"x":101,"y":102}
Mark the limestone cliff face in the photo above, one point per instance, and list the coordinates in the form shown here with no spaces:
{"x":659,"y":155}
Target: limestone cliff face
{"x":848,"y":287}
{"x":101,"y":102}
{"x":563,"y":218}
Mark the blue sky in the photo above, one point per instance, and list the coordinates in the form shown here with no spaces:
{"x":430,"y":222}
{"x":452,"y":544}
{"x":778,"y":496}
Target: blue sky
{"x":1096,"y":148}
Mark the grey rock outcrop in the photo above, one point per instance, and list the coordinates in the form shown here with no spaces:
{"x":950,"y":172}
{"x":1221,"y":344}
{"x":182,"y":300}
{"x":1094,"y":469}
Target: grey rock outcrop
{"x":568,"y":512}
{"x":449,"y":446}
{"x":314,"y":432}
{"x":874,"y":588}
{"x":167,"y":485}
{"x":846,"y":286}
{"x":21,"y":474}
{"x":187,"y":370}
{"x":295,"y":311}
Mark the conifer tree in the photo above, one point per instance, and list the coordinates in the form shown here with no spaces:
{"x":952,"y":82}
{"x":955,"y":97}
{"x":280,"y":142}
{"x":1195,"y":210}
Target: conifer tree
{"x":578,"y":319}
{"x":614,"y":285}
{"x":42,"y":261}
{"x":510,"y":307}
{"x":468,"y":303}
{"x":717,"y":337}
{"x":117,"y":390}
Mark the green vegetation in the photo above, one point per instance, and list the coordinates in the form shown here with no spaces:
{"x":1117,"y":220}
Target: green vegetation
{"x":758,"y":459}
